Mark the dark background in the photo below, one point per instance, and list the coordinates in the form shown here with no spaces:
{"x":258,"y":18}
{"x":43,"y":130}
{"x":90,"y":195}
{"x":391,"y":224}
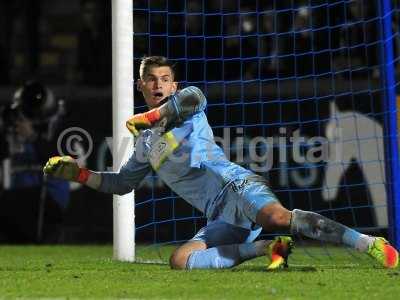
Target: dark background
{"x":262,"y":64}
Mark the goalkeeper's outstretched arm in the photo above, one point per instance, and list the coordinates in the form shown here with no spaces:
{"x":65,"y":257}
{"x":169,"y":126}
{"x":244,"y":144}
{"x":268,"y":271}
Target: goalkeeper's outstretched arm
{"x":179,"y":107}
{"x":122,"y":182}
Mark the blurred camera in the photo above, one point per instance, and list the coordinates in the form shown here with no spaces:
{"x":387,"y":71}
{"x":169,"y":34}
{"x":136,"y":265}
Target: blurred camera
{"x":34,"y":101}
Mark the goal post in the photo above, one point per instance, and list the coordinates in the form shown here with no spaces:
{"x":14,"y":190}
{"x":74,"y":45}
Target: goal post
{"x":390,"y":105}
{"x":283,"y":69}
{"x":122,"y":146}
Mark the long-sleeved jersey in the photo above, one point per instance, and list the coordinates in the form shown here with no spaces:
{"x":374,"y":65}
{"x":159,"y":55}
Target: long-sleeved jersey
{"x":195,"y":168}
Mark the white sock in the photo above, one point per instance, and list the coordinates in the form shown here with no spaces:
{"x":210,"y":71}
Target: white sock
{"x":364,"y":242}
{"x":261,"y":246}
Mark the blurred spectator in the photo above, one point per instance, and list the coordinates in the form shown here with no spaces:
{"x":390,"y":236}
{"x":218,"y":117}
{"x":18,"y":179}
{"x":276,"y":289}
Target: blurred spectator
{"x":94,"y":44}
{"x":194,"y":18}
{"x":249,"y":44}
{"x":4,"y":79}
{"x":31,"y":206}
{"x":303,"y":42}
{"x":6,"y":22}
{"x":351,"y":35}
{"x":267,"y":44}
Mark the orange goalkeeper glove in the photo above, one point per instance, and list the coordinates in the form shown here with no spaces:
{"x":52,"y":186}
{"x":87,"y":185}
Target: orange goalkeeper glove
{"x":143,"y":121}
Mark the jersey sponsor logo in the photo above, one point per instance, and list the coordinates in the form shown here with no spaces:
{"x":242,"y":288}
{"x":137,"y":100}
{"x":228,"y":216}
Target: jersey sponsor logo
{"x":238,"y":186}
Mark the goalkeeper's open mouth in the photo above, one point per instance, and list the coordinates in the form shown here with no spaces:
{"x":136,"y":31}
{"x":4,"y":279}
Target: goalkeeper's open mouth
{"x":158,"y":96}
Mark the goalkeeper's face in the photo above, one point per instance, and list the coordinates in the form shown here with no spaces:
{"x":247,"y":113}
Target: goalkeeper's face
{"x":156,"y":85}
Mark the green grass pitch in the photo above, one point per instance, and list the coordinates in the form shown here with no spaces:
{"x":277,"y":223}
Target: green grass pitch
{"x":89,"y":272}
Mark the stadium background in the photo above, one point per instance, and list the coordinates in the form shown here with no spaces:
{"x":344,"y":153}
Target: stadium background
{"x":263,"y":68}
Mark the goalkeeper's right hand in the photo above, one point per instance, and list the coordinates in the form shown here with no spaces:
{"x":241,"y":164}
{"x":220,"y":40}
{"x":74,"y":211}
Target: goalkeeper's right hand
{"x":143,"y":121}
{"x":65,"y":167}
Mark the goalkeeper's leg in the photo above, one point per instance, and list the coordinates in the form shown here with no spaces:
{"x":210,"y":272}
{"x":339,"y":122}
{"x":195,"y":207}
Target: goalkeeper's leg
{"x":316,"y":226}
{"x":221,"y":245}
{"x":261,"y":206}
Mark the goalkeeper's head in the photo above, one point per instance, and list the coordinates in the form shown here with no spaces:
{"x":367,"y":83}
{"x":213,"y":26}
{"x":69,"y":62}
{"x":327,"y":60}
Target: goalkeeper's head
{"x":157,"y":80}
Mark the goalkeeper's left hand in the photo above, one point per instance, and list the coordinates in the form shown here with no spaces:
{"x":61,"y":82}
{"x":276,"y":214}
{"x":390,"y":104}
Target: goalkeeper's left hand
{"x":143,"y":121}
{"x":63,"y":167}
{"x":66,"y":167}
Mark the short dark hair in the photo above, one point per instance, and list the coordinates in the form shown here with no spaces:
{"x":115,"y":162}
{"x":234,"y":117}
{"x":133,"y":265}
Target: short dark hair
{"x":148,"y":62}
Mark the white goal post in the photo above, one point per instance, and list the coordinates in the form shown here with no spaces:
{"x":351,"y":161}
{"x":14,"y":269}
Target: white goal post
{"x":122,"y":93}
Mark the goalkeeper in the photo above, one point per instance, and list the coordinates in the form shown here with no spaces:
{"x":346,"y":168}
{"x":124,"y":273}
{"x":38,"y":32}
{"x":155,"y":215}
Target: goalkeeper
{"x":174,"y":139}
